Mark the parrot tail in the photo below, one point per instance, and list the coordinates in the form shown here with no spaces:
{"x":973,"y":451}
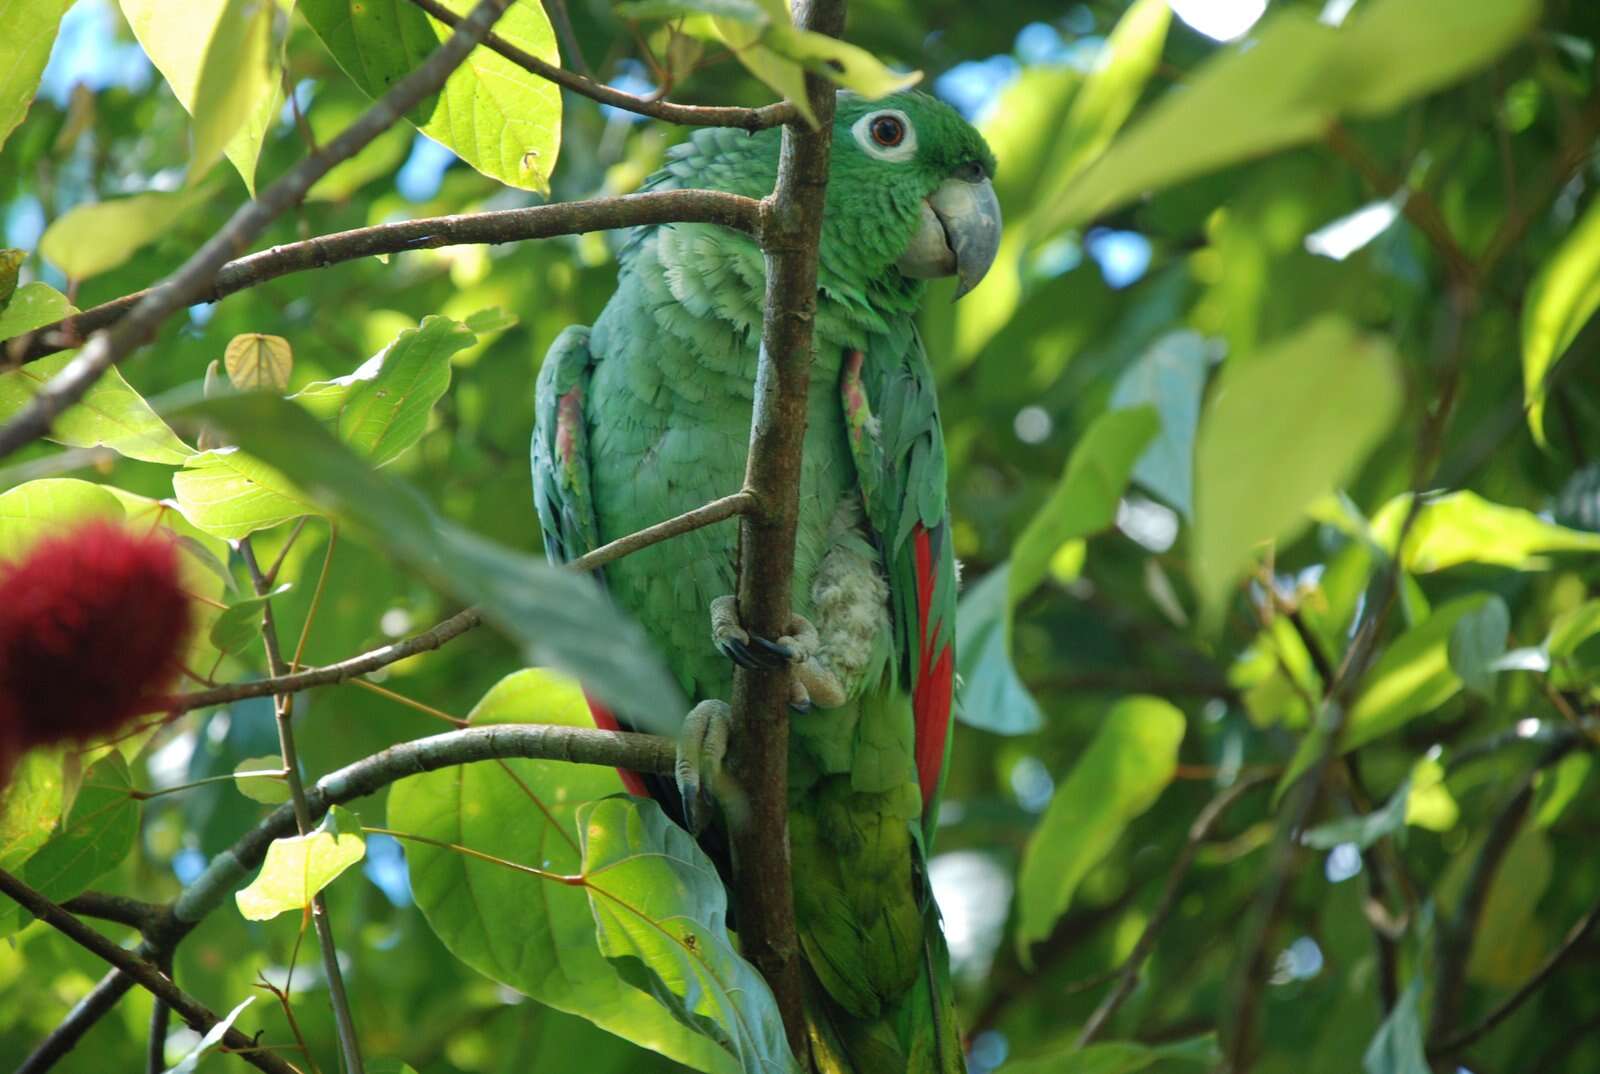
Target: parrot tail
{"x":916,"y":1034}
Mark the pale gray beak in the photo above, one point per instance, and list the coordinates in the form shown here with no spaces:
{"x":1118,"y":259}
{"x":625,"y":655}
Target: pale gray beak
{"x":959,"y":234}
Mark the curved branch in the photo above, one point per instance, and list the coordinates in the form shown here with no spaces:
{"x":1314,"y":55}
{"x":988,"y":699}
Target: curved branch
{"x":492,"y":228}
{"x":158,"y":984}
{"x":688,"y":115}
{"x":84,"y":1014}
{"x":190,"y":281}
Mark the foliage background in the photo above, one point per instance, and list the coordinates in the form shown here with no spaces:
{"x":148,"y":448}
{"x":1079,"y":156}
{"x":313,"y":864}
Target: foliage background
{"x":1208,"y":273}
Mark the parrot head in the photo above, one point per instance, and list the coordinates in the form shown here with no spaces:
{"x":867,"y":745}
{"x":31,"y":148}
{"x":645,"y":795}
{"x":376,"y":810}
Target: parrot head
{"x":910,"y":189}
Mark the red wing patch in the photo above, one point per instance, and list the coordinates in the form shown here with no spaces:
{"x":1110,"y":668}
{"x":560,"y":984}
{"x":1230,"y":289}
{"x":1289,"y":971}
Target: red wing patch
{"x":604,"y":720}
{"x":930,"y":699}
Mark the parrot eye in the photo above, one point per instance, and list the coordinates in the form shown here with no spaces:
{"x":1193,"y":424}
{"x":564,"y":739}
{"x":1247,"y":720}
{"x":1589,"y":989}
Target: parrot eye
{"x":886,"y":135}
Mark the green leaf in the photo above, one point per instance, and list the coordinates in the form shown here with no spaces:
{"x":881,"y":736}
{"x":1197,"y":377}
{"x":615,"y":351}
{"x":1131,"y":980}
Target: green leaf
{"x":992,"y":695}
{"x":1556,"y":788}
{"x":256,"y":361}
{"x":97,"y":833}
{"x":1102,"y":106}
{"x":559,"y":618}
{"x":30,"y":805}
{"x":1476,"y":642}
{"x":236,"y":75}
{"x":1389,"y":52}
{"x":500,"y":119}
{"x":240,"y":625}
{"x":1430,"y":804}
{"x":1120,"y":775}
{"x":1363,"y":829}
{"x":49,"y":506}
{"x":30,"y":32}
{"x":1510,"y":940}
{"x":100,"y":235}
{"x":385,"y":403}
{"x":1170,"y":376}
{"x":1463,"y":527}
{"x":298,"y":867}
{"x":661,"y":919}
{"x":1119,"y":1057}
{"x":1559,"y":302}
{"x":1283,"y":428}
{"x":334,"y":107}
{"x":1085,"y":500}
{"x":1572,"y":629}
{"x":212,"y":1040}
{"x":531,"y":934}
{"x":1397,"y":1047}
{"x":229,"y":493}
{"x":261,"y":779}
{"x":180,"y":47}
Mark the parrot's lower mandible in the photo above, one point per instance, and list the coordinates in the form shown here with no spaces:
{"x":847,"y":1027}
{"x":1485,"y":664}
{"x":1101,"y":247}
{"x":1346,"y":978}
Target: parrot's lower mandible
{"x":646,"y":415}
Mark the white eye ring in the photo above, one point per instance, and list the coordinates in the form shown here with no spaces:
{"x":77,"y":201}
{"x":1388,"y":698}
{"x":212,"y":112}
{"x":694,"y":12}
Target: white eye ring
{"x":904,"y":149}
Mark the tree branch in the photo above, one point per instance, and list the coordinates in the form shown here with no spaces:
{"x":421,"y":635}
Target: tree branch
{"x":141,"y":972}
{"x":84,"y":1014}
{"x":759,"y":759}
{"x":689,"y":115}
{"x":190,"y":281}
{"x":491,"y":228}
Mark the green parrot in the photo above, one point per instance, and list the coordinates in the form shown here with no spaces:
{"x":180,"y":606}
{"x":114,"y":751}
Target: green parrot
{"x":647,"y":415}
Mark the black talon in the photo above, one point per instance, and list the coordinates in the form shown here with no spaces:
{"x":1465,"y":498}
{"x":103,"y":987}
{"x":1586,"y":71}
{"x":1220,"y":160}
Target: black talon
{"x":739,"y":653}
{"x":764,"y":656}
{"x":800,"y":708}
{"x":782,"y":652}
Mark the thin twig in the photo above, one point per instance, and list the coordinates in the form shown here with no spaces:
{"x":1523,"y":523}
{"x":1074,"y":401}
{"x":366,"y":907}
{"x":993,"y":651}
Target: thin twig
{"x":759,"y":759}
{"x":191,"y":281}
{"x":716,"y":511}
{"x":429,"y":233}
{"x":561,"y":19}
{"x":160,"y":1022}
{"x":135,"y":913}
{"x":689,"y":115}
{"x":141,"y":972}
{"x":283,"y":708}
{"x":1128,"y":974}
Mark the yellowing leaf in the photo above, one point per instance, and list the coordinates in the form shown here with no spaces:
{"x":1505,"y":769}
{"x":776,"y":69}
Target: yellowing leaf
{"x":296,"y":869}
{"x":236,"y":75}
{"x":258,"y":361}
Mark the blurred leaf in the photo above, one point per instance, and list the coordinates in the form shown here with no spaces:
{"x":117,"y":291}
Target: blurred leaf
{"x":97,"y":833}
{"x":1326,"y":390}
{"x":992,"y":696}
{"x":236,"y":75}
{"x":558,"y":618}
{"x":10,"y":268}
{"x":1557,"y":787}
{"x":1463,"y":527}
{"x":1120,"y":1058}
{"x":1102,"y":106}
{"x":528,"y":933}
{"x":661,"y":918}
{"x":1397,"y":1047}
{"x":1171,"y":376}
{"x":30,"y":32}
{"x":298,"y":867}
{"x":240,"y":624}
{"x":1387,"y":53}
{"x":1572,"y":629}
{"x":48,"y":506}
{"x":30,"y":805}
{"x":1430,"y":804}
{"x":1117,"y":777}
{"x":260,"y":779}
{"x":100,"y":235}
{"x":1510,"y":941}
{"x":500,"y":119}
{"x":1476,"y":642}
{"x":180,"y":45}
{"x":212,"y":1040}
{"x":1085,"y":500}
{"x":1559,"y":302}
{"x":1363,"y":829}
{"x":256,"y":361}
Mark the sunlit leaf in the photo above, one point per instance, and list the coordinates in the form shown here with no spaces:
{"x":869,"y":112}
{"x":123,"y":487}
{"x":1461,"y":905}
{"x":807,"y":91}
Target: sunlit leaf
{"x":229,"y":493}
{"x":1119,"y":1057}
{"x":236,"y":76}
{"x":30,"y":32}
{"x":1327,"y":391}
{"x":1556,"y":788}
{"x":100,"y":235}
{"x":256,"y":361}
{"x":1430,"y":804}
{"x":661,"y":918}
{"x":299,"y":866}
{"x":1463,"y":527}
{"x":1085,"y":500}
{"x":261,"y":779}
{"x":1388,"y":52}
{"x":1559,"y":302}
{"x":534,"y":935}
{"x":30,"y":805}
{"x":1117,"y":777}
{"x":500,"y":119}
{"x":212,"y":1040}
{"x":1572,"y":629}
{"x":179,"y":47}
{"x":49,"y":506}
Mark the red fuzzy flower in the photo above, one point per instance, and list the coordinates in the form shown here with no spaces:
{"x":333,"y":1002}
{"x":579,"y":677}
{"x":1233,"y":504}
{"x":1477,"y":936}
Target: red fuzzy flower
{"x":93,"y":625}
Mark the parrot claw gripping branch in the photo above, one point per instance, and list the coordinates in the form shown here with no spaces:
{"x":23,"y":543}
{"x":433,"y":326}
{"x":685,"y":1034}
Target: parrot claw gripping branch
{"x":762,"y":338}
